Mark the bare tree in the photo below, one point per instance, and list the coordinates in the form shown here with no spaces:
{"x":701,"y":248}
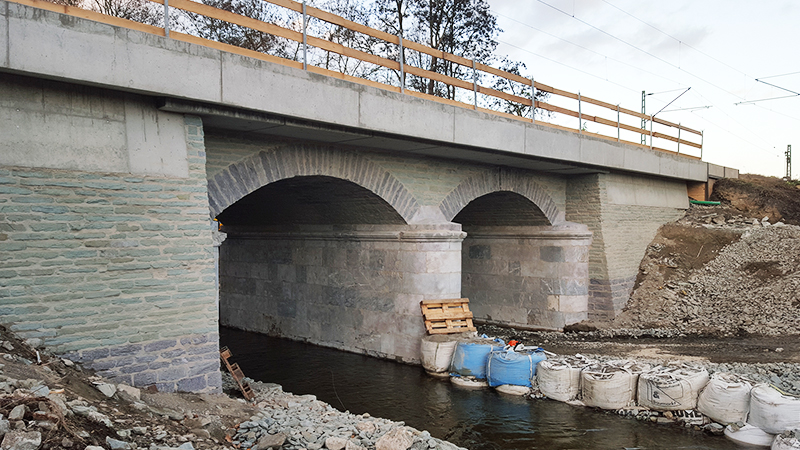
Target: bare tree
{"x":142,"y":11}
{"x":518,"y":89}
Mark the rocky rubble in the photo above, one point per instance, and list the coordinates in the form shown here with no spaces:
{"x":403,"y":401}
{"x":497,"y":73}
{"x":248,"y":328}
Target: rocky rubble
{"x":49,"y":403}
{"x":295,"y":422}
{"x":750,"y":287}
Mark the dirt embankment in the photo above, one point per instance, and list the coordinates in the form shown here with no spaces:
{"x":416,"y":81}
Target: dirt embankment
{"x":726,"y":270}
{"x":759,"y":196}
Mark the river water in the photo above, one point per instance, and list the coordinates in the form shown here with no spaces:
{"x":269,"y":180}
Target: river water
{"x":477,"y":420}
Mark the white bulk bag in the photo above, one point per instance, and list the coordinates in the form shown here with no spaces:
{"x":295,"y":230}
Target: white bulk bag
{"x":610,"y":385}
{"x":673,"y":387}
{"x":725,"y":399}
{"x":437,"y":351}
{"x":560,"y":379}
{"x":749,"y":435}
{"x":773,"y":411}
{"x":787,"y":441}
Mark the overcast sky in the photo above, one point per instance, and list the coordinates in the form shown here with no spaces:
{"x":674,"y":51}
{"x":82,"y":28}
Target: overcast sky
{"x":717,"y":47}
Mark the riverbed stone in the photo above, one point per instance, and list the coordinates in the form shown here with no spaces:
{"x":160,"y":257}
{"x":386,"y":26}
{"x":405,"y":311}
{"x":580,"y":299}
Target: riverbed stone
{"x":21,"y":440}
{"x":335,"y":443}
{"x":271,"y":441}
{"x":395,"y":439}
{"x":17,"y":413}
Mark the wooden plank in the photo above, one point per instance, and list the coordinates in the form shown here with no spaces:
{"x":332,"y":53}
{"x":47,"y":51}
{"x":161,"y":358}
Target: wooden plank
{"x":443,"y":315}
{"x":438,"y":77}
{"x":674,"y":139}
{"x":675,"y":125}
{"x":92,"y":15}
{"x":500,"y":94}
{"x":351,"y":78}
{"x":234,"y":49}
{"x":449,"y":300}
{"x":505,"y":114}
{"x":236,"y":19}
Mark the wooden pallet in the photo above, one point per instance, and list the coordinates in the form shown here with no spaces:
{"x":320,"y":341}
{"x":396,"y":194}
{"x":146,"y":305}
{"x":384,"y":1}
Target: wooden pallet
{"x":237,"y":374}
{"x":447,"y":316}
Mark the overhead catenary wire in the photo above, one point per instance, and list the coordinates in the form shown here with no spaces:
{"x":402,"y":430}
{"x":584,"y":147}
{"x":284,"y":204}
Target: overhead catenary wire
{"x":593,"y":51}
{"x":640,"y":49}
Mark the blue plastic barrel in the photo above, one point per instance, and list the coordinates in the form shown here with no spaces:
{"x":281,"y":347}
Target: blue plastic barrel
{"x":470,"y":358}
{"x":510,"y":367}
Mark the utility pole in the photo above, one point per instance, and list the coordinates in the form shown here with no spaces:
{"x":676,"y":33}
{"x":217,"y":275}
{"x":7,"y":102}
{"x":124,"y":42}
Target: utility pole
{"x":644,"y":122}
{"x":788,"y":163}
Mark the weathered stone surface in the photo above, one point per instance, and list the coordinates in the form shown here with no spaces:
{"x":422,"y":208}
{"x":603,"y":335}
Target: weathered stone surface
{"x":268,"y":441}
{"x":17,"y":413}
{"x":107,"y":389}
{"x":21,"y":440}
{"x":132,"y":392}
{"x":116,"y":444}
{"x":335,"y":443}
{"x":395,"y":439}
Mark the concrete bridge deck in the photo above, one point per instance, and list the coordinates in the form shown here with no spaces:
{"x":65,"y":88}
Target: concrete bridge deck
{"x":344,"y":205}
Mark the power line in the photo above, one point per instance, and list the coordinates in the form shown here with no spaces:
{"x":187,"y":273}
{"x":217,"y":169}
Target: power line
{"x":567,"y":66}
{"x":639,"y":49}
{"x":676,"y":39}
{"x":776,"y":76}
{"x":590,"y":50}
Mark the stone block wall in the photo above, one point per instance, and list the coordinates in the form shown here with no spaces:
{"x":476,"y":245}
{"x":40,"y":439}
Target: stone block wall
{"x":532,"y":277}
{"x":624,"y":213}
{"x":357,"y":290}
{"x":106,"y":249}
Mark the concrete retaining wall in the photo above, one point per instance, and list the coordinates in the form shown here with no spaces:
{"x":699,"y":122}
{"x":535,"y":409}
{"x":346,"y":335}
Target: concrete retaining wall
{"x":104,"y":234}
{"x":355,"y":289}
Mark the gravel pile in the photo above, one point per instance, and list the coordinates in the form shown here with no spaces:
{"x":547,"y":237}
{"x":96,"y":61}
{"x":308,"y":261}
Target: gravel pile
{"x":295,"y":422}
{"x":751,"y":287}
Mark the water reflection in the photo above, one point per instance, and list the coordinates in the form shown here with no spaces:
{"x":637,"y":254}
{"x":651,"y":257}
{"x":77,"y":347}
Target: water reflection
{"x":478,"y":420}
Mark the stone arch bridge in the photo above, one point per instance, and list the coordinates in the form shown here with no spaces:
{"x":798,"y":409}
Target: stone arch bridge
{"x":342,"y":206}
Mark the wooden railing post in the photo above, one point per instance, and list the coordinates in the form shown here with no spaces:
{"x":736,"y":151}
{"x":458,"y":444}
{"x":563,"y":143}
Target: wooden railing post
{"x":305,"y":37}
{"x":166,"y":18}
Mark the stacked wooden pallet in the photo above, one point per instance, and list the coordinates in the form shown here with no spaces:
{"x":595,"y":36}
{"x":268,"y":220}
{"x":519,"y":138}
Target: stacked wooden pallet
{"x":447,"y":316}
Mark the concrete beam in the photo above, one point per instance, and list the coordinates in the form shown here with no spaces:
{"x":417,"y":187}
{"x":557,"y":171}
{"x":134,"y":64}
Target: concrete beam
{"x":49,"y":45}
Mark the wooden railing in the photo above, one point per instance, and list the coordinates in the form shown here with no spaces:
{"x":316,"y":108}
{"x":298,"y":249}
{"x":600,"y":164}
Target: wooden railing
{"x":613,"y":128}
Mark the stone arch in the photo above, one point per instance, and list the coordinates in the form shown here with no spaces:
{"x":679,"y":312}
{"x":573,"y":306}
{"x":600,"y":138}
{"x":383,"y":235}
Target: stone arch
{"x":245,"y":176}
{"x":498,"y":181}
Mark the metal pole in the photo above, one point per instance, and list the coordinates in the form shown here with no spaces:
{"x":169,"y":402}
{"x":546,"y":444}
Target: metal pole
{"x":617,"y":123}
{"x":474,"y":86}
{"x":580,"y":116}
{"x":305,"y":37}
{"x":701,"y":144}
{"x":679,"y":137}
{"x":533,"y":100}
{"x":402,"y":67}
{"x":644,"y":121}
{"x":651,"y":133}
{"x":166,"y":18}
